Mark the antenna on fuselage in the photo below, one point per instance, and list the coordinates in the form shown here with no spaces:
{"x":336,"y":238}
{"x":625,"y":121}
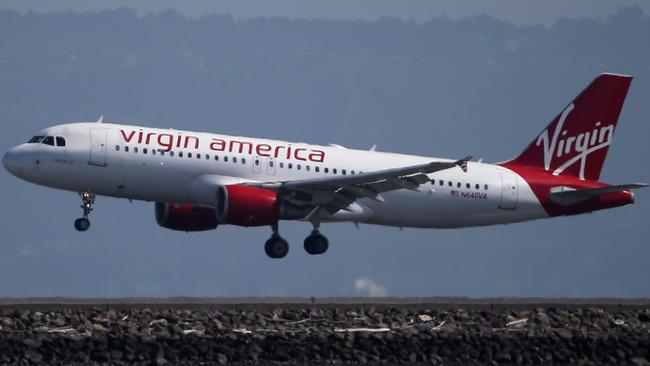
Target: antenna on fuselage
{"x":101,"y":119}
{"x":373,"y":148}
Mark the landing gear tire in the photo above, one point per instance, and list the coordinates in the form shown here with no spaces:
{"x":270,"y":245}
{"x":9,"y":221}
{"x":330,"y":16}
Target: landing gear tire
{"x":316,"y":243}
{"x":87,"y":203}
{"x":276,"y":247}
{"x":81,"y":224}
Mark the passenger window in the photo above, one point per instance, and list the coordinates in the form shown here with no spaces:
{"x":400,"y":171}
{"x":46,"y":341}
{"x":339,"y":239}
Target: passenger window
{"x":458,"y":185}
{"x":198,"y":156}
{"x":352,"y":172}
{"x":317,"y":169}
{"x":298,"y":166}
{"x":243,"y":160}
{"x":117,"y":147}
{"x":171,"y":153}
{"x":216,"y":158}
{"x":477,"y":186}
{"x":207,"y":156}
{"x":189,"y":155}
{"x":290,"y":166}
{"x":145,"y":150}
{"x":60,"y":141}
{"x":126,"y":149}
{"x":307,"y":167}
{"x":180,"y":154}
{"x":271,"y":163}
{"x":162,"y":152}
{"x":49,"y":140}
{"x":257,"y":162}
{"x":135,"y":150}
{"x":343,"y":172}
{"x":468,"y":185}
{"x":225,"y":158}
{"x":486,"y":187}
{"x":450,"y":183}
{"x":326,"y":170}
{"x":234,"y":159}
{"x":281,"y":165}
{"x":442,"y":182}
{"x":153,"y":151}
{"x":334,"y":171}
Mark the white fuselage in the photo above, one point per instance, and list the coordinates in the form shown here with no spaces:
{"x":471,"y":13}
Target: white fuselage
{"x":136,"y":163}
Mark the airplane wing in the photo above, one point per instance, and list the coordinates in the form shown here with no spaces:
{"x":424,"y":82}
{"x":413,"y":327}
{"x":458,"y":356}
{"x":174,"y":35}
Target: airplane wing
{"x":569,"y":197}
{"x":338,"y":192}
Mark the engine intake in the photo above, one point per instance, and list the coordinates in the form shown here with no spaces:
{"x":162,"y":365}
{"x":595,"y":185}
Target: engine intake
{"x":186,"y":217}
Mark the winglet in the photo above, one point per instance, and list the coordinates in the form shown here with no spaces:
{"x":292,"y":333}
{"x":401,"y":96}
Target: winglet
{"x":101,"y":119}
{"x":462,"y":163}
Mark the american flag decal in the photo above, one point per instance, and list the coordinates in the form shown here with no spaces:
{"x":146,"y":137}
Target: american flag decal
{"x":462,"y":163}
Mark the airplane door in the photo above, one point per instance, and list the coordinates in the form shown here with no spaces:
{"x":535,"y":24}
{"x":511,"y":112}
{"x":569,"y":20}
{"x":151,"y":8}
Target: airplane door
{"x":509,"y":191}
{"x":97,"y":147}
{"x":257,"y":164}
{"x":270,"y":166}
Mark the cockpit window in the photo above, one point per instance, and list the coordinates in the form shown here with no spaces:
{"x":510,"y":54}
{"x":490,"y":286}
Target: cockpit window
{"x":35,"y":139}
{"x":48,"y":140}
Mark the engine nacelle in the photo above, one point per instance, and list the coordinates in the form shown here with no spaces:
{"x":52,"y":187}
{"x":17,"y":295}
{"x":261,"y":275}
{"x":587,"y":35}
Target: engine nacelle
{"x":186,"y":217}
{"x":247,"y":206}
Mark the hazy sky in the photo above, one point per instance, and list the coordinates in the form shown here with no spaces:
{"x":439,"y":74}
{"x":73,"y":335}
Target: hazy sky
{"x":445,"y":88}
{"x":516,"y":11}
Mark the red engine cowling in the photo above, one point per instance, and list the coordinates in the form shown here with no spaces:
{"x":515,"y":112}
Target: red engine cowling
{"x":186,"y":217}
{"x":247,"y":206}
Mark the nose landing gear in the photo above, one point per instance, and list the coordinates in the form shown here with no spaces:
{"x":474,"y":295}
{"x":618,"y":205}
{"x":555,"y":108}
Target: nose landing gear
{"x":87,"y":202}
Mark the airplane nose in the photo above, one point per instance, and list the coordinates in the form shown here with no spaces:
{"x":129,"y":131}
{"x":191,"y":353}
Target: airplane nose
{"x":14,"y":162}
{"x":8,"y":162}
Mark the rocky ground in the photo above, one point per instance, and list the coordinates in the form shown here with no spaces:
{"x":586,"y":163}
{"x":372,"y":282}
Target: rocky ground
{"x":337,"y":334}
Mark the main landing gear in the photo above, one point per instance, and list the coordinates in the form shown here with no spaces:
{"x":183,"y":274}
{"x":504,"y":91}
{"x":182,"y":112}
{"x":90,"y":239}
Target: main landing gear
{"x":316,"y":243}
{"x":87,"y":202}
{"x":276,"y":246}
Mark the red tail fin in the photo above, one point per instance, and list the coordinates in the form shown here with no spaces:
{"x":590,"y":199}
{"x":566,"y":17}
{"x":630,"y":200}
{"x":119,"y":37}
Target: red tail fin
{"x":576,"y":142}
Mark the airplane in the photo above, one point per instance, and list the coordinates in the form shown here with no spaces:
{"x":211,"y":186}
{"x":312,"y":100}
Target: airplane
{"x":199,"y":181}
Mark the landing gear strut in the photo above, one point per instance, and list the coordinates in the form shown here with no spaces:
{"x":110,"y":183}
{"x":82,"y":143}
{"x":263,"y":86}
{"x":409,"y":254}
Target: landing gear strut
{"x":316,"y":243}
{"x":87,"y":202}
{"x":276,"y":246}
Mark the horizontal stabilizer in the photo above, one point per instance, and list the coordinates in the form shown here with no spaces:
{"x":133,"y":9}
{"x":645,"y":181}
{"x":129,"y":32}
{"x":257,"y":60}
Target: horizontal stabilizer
{"x":568,"y":197}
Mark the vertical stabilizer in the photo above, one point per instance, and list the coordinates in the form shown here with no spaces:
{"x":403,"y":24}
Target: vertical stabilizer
{"x":576,"y":142}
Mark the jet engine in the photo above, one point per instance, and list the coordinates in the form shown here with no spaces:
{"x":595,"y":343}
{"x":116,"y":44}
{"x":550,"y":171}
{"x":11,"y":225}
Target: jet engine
{"x":186,"y":217}
{"x":251,"y":206}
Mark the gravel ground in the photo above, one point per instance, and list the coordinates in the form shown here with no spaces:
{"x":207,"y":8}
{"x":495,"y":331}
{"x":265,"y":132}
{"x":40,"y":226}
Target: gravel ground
{"x":344,"y":333}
